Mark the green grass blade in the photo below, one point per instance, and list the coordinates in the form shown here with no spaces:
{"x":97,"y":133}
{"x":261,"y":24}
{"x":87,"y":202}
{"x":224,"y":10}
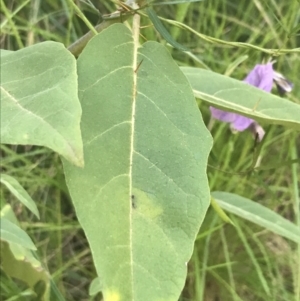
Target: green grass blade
{"x":162,"y":30}
{"x":154,"y":3}
{"x":20,"y":193}
{"x":252,"y":256}
{"x":221,"y":213}
{"x":257,"y":214}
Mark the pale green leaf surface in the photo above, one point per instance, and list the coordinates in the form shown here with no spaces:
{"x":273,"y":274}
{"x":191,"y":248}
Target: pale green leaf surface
{"x":95,"y":287}
{"x":233,"y":95}
{"x":4,"y":52}
{"x":39,"y":102}
{"x":143,"y":192}
{"x":19,"y":192}
{"x":11,"y":233}
{"x":258,"y":214}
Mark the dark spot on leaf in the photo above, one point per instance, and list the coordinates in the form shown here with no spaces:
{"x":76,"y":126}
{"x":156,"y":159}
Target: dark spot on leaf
{"x":133,"y":201}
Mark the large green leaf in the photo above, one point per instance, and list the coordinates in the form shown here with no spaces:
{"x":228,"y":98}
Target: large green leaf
{"x":257,"y":214}
{"x":39,"y":102}
{"x":5,"y":52}
{"x":143,"y":192}
{"x":233,"y":95}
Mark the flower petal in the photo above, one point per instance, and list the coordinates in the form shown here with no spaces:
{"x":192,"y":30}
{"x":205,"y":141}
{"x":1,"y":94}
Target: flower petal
{"x":222,"y":115}
{"x":261,"y":77}
{"x":241,"y":123}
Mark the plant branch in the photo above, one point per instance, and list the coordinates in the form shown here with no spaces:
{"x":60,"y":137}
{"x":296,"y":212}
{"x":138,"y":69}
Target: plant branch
{"x":273,"y":52}
{"x":82,"y":16}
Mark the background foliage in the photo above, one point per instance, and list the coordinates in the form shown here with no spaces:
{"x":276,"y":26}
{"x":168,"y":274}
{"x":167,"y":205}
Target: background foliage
{"x":242,"y":263}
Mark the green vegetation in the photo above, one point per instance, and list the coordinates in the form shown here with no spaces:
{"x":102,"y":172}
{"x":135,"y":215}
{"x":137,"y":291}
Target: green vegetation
{"x":241,"y":262}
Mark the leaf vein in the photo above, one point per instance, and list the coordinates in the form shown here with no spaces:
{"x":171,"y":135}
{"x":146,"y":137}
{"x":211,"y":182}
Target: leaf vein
{"x":106,"y":131}
{"x":26,"y":111}
{"x":161,"y":171}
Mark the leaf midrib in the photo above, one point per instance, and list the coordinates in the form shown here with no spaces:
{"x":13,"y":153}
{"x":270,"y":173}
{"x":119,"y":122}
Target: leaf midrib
{"x":135,"y":31}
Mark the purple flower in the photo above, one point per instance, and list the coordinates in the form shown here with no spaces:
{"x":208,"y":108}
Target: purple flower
{"x":261,"y":77}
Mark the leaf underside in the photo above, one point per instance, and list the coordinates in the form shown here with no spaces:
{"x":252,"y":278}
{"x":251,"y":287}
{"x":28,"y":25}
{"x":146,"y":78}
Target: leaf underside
{"x":39,"y":102}
{"x":233,"y":95}
{"x":143,"y":192}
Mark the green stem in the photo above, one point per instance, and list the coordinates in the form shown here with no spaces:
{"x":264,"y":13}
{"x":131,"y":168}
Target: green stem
{"x":295,"y":177}
{"x":82,"y":16}
{"x":271,"y":51}
{"x":12,"y":24}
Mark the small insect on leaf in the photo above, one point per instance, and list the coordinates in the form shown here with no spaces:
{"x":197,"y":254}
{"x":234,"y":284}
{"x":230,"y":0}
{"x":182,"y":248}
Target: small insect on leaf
{"x":138,"y":66}
{"x":133,"y":202}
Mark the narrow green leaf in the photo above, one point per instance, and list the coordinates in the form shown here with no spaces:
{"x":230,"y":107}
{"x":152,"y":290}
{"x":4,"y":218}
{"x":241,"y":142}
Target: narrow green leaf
{"x":231,"y":67}
{"x":11,"y":233}
{"x":222,"y":214}
{"x":143,"y":192}
{"x":20,"y":193}
{"x":258,"y":214}
{"x":196,"y":59}
{"x":233,"y":95}
{"x":39,"y":102}
{"x":253,"y":257}
{"x":162,"y":30}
